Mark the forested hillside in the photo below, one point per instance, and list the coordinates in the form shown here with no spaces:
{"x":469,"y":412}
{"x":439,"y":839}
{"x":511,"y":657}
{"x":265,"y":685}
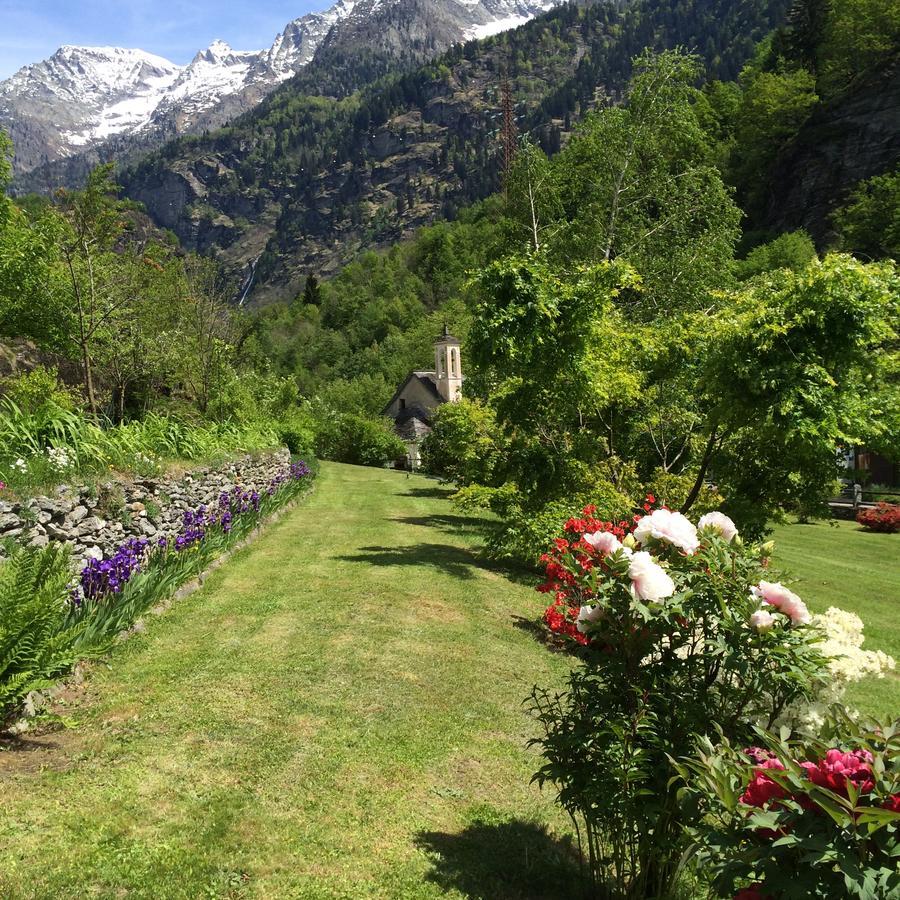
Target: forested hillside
{"x":350,"y":339}
{"x":316,"y":173}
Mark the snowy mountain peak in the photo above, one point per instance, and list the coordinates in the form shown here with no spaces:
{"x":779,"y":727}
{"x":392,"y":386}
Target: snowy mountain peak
{"x":82,"y":96}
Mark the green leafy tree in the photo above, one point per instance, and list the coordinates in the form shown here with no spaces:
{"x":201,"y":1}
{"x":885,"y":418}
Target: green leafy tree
{"x":638,"y":182}
{"x":869,"y":223}
{"x":93,"y":291}
{"x":793,"y":250}
{"x":773,"y":106}
{"x":464,"y":443}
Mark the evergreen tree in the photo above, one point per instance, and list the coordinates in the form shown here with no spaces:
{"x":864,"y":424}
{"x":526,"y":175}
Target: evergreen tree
{"x":312,"y":295}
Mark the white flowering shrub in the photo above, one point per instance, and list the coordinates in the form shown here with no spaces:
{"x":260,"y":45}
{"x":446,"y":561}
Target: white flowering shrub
{"x":847,"y":664}
{"x":60,"y":458}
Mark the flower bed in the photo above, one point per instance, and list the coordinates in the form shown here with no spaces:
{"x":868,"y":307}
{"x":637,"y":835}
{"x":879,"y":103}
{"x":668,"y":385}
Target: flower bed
{"x":110,"y":593}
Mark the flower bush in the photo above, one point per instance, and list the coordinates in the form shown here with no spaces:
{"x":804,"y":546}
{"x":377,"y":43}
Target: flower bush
{"x":884,"y":517}
{"x":847,"y":663}
{"x":680,"y":635}
{"x":814,"y":817}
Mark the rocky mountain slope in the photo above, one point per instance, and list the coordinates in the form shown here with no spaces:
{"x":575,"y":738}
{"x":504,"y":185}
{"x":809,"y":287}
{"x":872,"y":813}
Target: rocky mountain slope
{"x":304,"y":182}
{"x":84,"y":105}
{"x":845,"y":141}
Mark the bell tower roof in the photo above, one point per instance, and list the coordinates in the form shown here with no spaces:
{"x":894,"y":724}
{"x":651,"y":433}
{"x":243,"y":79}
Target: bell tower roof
{"x":446,"y":337}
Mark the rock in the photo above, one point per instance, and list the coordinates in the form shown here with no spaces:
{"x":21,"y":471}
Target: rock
{"x":91,"y":524}
{"x":8,"y":520}
{"x":38,"y":540}
{"x":77,"y":514}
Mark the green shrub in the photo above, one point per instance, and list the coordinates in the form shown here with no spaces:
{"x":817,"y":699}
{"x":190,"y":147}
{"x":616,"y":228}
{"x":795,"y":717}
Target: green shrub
{"x":525,"y":530}
{"x":38,"y":643}
{"x":464,"y":443}
{"x":35,"y":390}
{"x":358,"y":440}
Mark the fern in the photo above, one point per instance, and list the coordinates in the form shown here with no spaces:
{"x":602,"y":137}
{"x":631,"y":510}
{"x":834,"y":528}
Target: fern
{"x":38,"y":642}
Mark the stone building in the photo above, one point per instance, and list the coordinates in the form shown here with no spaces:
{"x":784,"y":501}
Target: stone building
{"x":421,"y":393}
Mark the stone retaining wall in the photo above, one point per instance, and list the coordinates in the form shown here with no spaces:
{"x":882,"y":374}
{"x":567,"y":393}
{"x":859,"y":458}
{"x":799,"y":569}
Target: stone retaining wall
{"x":94,"y":521}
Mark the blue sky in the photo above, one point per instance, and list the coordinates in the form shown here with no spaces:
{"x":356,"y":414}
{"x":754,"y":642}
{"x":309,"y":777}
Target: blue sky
{"x":30,"y":30}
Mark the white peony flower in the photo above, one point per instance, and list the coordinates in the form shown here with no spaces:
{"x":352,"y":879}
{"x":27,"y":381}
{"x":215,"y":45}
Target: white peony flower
{"x":717,"y":521}
{"x":762,"y":621}
{"x":587,"y":615}
{"x":605,"y":542}
{"x":670,"y":527}
{"x":649,"y":580}
{"x":784,"y":600}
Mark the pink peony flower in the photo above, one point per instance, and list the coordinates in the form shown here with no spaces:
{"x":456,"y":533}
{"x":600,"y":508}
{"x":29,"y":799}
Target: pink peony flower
{"x":604,"y":542}
{"x":838,"y":767}
{"x":762,"y":789}
{"x":716,"y":521}
{"x":649,"y":580}
{"x":670,"y":527}
{"x":587,"y":615}
{"x":776,"y":594}
{"x":762,"y":621}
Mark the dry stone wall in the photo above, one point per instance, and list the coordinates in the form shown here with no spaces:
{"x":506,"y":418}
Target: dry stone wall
{"x":94,"y":521}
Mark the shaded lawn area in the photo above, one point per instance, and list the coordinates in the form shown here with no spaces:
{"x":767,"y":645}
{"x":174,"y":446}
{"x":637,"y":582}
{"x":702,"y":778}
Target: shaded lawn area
{"x":337,"y":713}
{"x":840,"y":564}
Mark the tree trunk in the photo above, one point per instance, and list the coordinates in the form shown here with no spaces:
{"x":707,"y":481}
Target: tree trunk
{"x":89,"y":379}
{"x":701,"y":473}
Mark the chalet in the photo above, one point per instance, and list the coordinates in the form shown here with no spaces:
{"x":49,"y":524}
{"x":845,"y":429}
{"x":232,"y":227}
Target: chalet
{"x":414,"y":402}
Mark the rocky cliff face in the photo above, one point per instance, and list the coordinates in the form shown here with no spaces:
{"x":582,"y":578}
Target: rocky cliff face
{"x":853,"y":138}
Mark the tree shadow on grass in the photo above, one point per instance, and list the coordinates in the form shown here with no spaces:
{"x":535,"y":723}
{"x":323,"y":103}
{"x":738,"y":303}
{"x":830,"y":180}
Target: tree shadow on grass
{"x":456,"y":561}
{"x":445,"y":522}
{"x":513,"y":860}
{"x":430,"y":492}
{"x":460,"y":562}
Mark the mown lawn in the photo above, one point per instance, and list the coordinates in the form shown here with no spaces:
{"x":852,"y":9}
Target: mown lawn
{"x":337,"y":713}
{"x":840,"y":564}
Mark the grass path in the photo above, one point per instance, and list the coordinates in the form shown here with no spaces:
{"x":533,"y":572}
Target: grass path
{"x":337,"y":713}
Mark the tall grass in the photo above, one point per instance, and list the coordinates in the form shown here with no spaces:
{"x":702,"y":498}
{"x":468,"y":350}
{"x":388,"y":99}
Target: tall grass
{"x":26,"y":437}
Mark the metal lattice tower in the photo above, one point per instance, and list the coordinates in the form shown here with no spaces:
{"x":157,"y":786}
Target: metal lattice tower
{"x":509,"y":127}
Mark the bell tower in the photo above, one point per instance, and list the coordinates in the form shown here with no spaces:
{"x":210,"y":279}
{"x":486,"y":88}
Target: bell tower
{"x":448,"y":367}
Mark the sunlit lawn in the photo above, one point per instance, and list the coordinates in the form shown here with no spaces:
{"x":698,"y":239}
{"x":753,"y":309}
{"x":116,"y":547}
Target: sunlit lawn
{"x":840,"y":564}
{"x":338,"y":713}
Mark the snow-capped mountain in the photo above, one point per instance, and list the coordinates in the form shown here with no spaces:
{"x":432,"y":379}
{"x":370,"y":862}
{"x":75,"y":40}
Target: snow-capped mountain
{"x":85,"y":99}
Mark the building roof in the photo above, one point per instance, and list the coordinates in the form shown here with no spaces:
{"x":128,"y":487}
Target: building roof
{"x":428,"y":380}
{"x":412,"y":424}
{"x":446,"y":337}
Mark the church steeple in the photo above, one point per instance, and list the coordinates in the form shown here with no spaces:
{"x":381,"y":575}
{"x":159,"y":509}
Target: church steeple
{"x":448,"y":366}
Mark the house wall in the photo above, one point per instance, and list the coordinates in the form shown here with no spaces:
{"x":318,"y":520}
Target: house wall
{"x":413,"y":392}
